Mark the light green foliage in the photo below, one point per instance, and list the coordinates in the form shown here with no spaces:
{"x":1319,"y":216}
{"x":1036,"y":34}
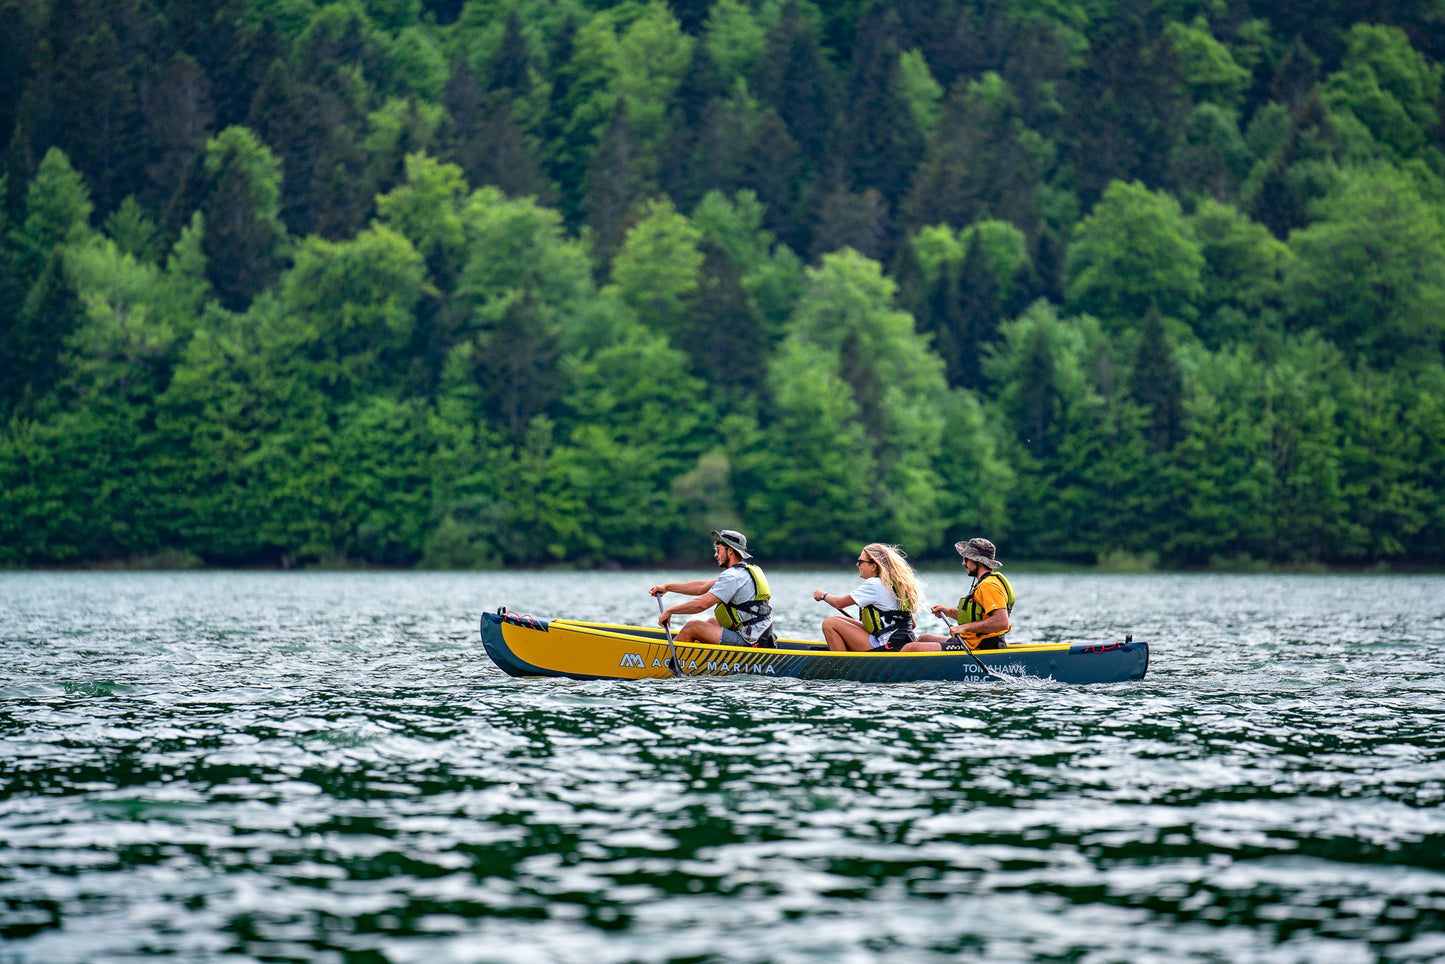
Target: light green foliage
{"x":1063,"y":443}
{"x":897,"y":385}
{"x":641,"y":62}
{"x":1133,"y":253}
{"x":350,"y":308}
{"x":656,"y":269}
{"x":977,"y":476}
{"x":809,"y":478}
{"x":652,"y":54}
{"x":734,"y":38}
{"x":1206,"y":66}
{"x":772,"y":275}
{"x":133,"y":230}
{"x":1243,"y":273}
{"x":428,"y":210}
{"x":520,"y":246}
{"x":123,"y":347}
{"x":1391,"y":89}
{"x":57,"y":206}
{"x":416,"y":65}
{"x":401,"y":124}
{"x":920,"y":91}
{"x":938,"y":247}
{"x":181,"y":299}
{"x":1370,"y":270}
{"x":1005,"y":250}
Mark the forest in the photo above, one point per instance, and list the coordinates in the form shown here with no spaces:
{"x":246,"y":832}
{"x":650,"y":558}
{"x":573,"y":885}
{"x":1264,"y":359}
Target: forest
{"x":473,"y":283}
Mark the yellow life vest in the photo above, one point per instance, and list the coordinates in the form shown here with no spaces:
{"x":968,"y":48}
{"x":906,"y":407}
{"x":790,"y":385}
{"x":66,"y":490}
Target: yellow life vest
{"x":971,"y":611}
{"x":737,"y":615}
{"x":884,"y":622}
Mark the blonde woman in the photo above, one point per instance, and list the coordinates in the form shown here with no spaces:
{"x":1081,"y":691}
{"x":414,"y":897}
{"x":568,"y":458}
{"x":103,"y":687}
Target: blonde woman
{"x":886,"y":601}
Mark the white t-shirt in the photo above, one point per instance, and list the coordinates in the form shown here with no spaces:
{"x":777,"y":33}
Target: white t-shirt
{"x":735,"y":586}
{"x":875,"y":592}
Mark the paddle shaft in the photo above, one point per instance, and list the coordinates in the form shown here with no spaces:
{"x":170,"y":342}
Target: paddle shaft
{"x":667,"y":628}
{"x":973,"y":654}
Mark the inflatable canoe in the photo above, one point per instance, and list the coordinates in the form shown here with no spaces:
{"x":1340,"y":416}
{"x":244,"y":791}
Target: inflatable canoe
{"x":524,"y":645}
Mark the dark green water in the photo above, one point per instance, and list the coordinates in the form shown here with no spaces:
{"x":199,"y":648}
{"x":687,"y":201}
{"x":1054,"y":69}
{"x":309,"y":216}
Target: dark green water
{"x":226,"y":767}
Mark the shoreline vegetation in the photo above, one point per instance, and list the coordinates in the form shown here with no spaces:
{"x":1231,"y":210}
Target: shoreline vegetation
{"x":1113,"y":564}
{"x":457,"y":284}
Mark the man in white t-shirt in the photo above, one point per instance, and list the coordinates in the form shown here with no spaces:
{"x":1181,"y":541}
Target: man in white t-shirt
{"x":742,"y":612}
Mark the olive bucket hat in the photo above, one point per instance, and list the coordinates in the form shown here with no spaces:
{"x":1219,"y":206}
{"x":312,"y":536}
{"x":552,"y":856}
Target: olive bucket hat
{"x":734,"y":540}
{"x":979,"y":550}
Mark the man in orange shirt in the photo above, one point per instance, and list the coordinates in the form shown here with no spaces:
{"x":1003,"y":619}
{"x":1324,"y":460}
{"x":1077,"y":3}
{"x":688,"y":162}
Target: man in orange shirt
{"x":983,"y":615}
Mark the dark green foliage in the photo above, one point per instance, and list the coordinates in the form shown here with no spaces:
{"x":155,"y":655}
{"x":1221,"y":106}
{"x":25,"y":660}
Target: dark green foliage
{"x":39,"y":306}
{"x":469,"y":285}
{"x":797,"y":80}
{"x":32,"y":344}
{"x":615,"y":182}
{"x":88,"y":61}
{"x":1156,"y":384}
{"x":244,"y":234}
{"x":1124,"y":109}
{"x":982,"y":162}
{"x":883,"y":139}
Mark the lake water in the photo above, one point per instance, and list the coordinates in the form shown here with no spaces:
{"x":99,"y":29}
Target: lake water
{"x":225,"y":767}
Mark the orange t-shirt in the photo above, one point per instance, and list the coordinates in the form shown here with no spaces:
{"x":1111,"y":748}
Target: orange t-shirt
{"x":989,"y":596}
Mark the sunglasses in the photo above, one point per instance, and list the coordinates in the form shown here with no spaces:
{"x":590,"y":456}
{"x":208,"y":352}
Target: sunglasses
{"x":861,"y":562}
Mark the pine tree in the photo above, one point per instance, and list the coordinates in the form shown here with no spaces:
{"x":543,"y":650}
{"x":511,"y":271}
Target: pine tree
{"x":1156,"y":383}
{"x":244,"y":235}
{"x":614,"y":184}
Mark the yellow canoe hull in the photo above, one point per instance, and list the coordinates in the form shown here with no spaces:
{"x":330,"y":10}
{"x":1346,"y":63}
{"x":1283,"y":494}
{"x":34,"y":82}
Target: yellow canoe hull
{"x":524,"y":645}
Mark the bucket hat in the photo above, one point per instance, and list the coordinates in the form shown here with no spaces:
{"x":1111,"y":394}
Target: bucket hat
{"x":979,"y":550}
{"x":734,"y":540}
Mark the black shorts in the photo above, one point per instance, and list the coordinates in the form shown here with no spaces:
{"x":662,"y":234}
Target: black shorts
{"x":895,"y":642}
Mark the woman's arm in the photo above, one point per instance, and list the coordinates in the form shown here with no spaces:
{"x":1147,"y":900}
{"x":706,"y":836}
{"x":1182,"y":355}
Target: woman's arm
{"x":837,"y":602}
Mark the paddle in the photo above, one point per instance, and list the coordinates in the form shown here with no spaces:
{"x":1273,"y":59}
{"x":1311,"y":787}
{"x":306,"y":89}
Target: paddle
{"x":667,"y":628}
{"x":975,"y":655}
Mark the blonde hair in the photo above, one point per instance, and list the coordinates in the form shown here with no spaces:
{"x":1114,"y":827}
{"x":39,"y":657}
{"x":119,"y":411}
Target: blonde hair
{"x":896,"y":574}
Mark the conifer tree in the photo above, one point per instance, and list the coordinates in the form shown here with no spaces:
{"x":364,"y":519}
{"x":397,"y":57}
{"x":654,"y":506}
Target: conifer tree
{"x":1157,"y":384}
{"x":244,"y":240}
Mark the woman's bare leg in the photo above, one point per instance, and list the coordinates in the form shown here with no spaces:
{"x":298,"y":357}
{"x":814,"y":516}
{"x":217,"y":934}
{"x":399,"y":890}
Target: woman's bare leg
{"x":846,"y":634}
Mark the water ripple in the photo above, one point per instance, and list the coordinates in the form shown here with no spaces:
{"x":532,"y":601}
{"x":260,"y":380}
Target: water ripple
{"x":314,"y":767}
